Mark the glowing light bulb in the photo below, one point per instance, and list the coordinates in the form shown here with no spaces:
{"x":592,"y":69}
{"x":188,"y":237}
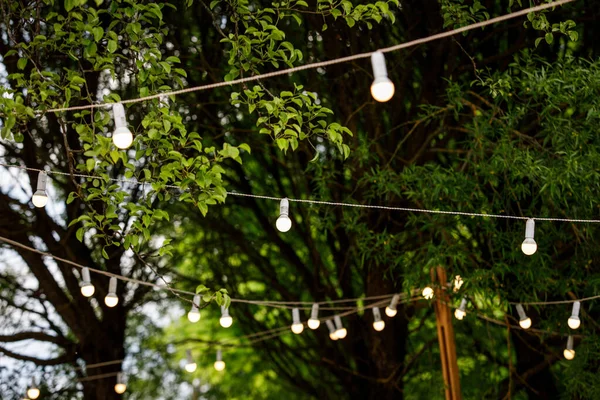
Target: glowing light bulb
{"x":194,"y":314}
{"x":391,"y":310}
{"x":529,"y":245}
{"x":378,"y":323}
{"x":33,"y":392}
{"x":219,"y":364}
{"x":461,"y":312}
{"x":428,"y":293}
{"x":569,"y":352}
{"x":382,"y":88}
{"x":313,"y":322}
{"x":284,"y":223}
{"x":40,"y":197}
{"x":458,"y":282}
{"x":111,"y":298}
{"x":574,"y":321}
{"x":524,"y":320}
{"x":331,"y":327}
{"x":86,"y":287}
{"x":340,"y":331}
{"x":226,"y":321}
{"x":297,"y":326}
{"x":120,"y":386}
{"x":122,"y":136}
{"x":190,"y":366}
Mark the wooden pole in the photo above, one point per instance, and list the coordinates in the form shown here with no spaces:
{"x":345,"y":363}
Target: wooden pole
{"x":445,"y":331}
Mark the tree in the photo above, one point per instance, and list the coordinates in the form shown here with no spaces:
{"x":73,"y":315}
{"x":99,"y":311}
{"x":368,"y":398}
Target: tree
{"x":497,"y":121}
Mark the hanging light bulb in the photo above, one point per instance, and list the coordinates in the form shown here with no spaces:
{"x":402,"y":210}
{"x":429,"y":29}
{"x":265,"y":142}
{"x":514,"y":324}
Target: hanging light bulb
{"x":190,"y":366}
{"x":87,"y":289}
{"x":461,"y":310}
{"x":219,"y":364}
{"x":529,"y":245}
{"x":33,"y":392}
{"x":284,"y":223}
{"x":194,"y":314}
{"x":391,"y":310}
{"x":40,"y":197}
{"x":297,"y":326}
{"x":382,"y":88}
{"x":574,"y":321}
{"x":524,"y":320}
{"x":122,"y":136}
{"x":313,"y":322}
{"x":458,"y":282}
{"x":111,"y":298}
{"x":340,"y":331}
{"x":120,"y":386}
{"x":428,"y":293}
{"x":331,"y":327}
{"x":378,"y":323}
{"x":226,"y":321}
{"x":569,"y":352}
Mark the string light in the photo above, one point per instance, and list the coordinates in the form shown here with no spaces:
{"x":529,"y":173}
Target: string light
{"x":40,"y":197}
{"x":569,"y":352}
{"x":428,"y":293}
{"x":111,"y":298}
{"x":87,"y":289}
{"x":340,"y":331}
{"x":284,"y":223}
{"x":378,"y":323}
{"x":524,"y":320}
{"x":382,"y":88}
{"x":574,"y":321}
{"x":297,"y":326}
{"x":194,"y":314}
{"x":391,"y":310}
{"x":226,"y":321}
{"x":529,"y":246}
{"x":190,"y":366}
{"x":458,"y":282}
{"x":33,"y":392}
{"x":120,"y":386}
{"x":122,"y":136}
{"x":461,"y":310}
{"x":313,"y":322}
{"x":331,"y":327}
{"x":219,"y":364}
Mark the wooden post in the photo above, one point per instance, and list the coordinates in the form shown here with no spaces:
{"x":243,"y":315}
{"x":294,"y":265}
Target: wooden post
{"x":445,"y":331}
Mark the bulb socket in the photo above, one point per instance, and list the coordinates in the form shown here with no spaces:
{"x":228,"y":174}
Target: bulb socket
{"x":42,"y":181}
{"x":521,"y":312}
{"x":314,"y":312}
{"x":219,"y":355}
{"x":330,"y":326}
{"x":119,"y":116}
{"x":376,"y":314}
{"x":296,"y":316}
{"x":85,"y":276}
{"x":570,"y":343}
{"x":576,"y":307}
{"x":529,"y":229}
{"x":284,"y":207}
{"x":394,"y":302}
{"x":224,"y":312}
{"x":378,"y":64}
{"x":112,"y":285}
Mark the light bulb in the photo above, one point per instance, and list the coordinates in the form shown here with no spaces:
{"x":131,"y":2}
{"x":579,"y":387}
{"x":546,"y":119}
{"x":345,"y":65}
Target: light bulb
{"x":461,"y":312}
{"x":33,"y":393}
{"x":40,"y":197}
{"x":111,"y":298}
{"x":391,"y":310}
{"x":120,"y":388}
{"x":574,"y":321}
{"x":219,"y":365}
{"x":340,"y":331}
{"x":569,"y":352}
{"x":378,"y":325}
{"x":297,"y":326}
{"x":190,"y":366}
{"x":86,"y":287}
{"x":382,"y":88}
{"x":226,"y":321}
{"x":428,"y":293}
{"x":88,"y":290}
{"x":458,"y":282}
{"x":333,"y":336}
{"x":313,"y":322}
{"x":525,"y":323}
{"x":529,"y":245}
{"x":284,"y":223}
{"x":524,"y":320}
{"x":331,"y":327}
{"x":194,"y":314}
{"x":122,"y":136}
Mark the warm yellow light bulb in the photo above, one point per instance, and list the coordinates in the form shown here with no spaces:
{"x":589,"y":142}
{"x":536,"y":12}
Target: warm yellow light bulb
{"x":525,"y":323}
{"x":226,"y":321}
{"x":341,"y":333}
{"x":428,"y":293}
{"x":219,"y":365}
{"x":33,"y":393}
{"x":378,"y":325}
{"x":88,"y":290}
{"x":459,"y":314}
{"x":120,"y":388}
{"x":191,"y":367}
{"x":297,"y":328}
{"x":390,"y":312}
{"x":314,"y":323}
{"x":569,"y":354}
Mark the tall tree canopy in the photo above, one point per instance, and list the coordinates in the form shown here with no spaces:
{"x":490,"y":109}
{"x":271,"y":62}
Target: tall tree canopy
{"x":501,"y":120}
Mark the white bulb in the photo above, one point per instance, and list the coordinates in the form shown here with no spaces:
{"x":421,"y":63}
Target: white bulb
{"x":341,"y":333}
{"x":574,"y":322}
{"x":525,"y":323}
{"x":226,"y":322}
{"x":390,"y":312}
{"x":40,"y":199}
{"x":382,"y":89}
{"x":33,"y":393}
{"x":569,"y":354}
{"x":313,"y":323}
{"x":120,"y":388}
{"x":459,"y":314}
{"x":122,"y":137}
{"x":190,"y":367}
{"x":284,"y":223}
{"x":194,"y":316}
{"x":428,"y":293}
{"x":333,"y":336}
{"x":111,"y":300}
{"x":88,"y":290}
{"x":529,"y":246}
{"x":219,"y":365}
{"x":297,"y":328}
{"x":378,"y":325}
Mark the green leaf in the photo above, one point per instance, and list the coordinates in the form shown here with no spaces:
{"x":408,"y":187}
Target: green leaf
{"x":98,"y":33}
{"x":112,"y":46}
{"x":549,"y":38}
{"x":69,"y":4}
{"x":21,"y":63}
